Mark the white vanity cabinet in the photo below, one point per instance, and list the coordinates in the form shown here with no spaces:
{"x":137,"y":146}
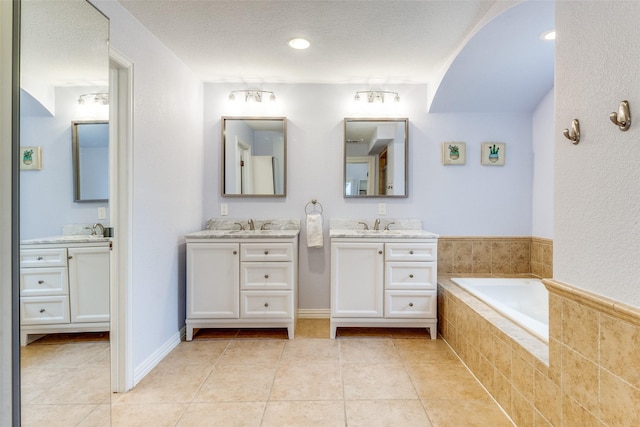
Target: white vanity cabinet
{"x":241,"y":282}
{"x":382,"y":282}
{"x":64,"y":288}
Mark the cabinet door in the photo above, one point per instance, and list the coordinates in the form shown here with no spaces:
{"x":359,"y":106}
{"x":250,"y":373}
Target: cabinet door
{"x":357,"y":279}
{"x":89,"y":284}
{"x":213,"y":280}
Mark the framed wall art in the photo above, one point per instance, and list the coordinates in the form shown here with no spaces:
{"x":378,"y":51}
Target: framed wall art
{"x":493,"y":153}
{"x":30,"y":158}
{"x":454,"y":153}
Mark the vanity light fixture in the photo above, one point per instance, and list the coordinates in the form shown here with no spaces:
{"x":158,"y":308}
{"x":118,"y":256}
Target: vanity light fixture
{"x":253,"y":95}
{"x":375,"y":95}
{"x":299,"y":43}
{"x":95,"y":98}
{"x":549,"y":35}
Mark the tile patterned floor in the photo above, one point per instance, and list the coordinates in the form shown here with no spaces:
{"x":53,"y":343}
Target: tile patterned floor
{"x":367,"y":377}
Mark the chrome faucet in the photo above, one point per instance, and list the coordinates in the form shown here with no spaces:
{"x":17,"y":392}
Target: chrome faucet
{"x":95,"y":228}
{"x":366,"y":227}
{"x":386,"y":227}
{"x":252,"y":226}
{"x":376,"y":225}
{"x":241,"y":226}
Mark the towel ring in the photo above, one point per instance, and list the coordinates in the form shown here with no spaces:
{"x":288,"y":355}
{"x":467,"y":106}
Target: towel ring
{"x":314,"y":207}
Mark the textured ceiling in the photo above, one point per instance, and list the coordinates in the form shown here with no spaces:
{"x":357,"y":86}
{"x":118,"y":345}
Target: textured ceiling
{"x":373,"y":41}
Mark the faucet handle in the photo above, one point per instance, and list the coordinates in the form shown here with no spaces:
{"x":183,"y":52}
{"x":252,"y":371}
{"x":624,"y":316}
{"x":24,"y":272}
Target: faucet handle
{"x":241,"y":226}
{"x":264,"y":226}
{"x":366,"y":227}
{"x":386,"y":227}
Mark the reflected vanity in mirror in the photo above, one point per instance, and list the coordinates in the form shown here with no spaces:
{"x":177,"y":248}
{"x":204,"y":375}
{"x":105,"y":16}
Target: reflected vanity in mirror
{"x":376,"y":157}
{"x":90,"y":145}
{"x":254,"y":153}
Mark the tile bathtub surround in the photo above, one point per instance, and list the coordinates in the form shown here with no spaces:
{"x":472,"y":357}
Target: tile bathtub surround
{"x":589,"y":374}
{"x":495,"y":256}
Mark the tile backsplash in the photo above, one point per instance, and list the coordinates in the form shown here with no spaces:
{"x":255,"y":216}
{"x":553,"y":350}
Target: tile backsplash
{"x":495,"y":256}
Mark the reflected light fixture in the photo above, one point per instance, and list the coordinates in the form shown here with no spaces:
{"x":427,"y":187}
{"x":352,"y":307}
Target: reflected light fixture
{"x":375,"y":96}
{"x":299,"y":43}
{"x":548,"y":35}
{"x":252,"y":95}
{"x":95,"y":98}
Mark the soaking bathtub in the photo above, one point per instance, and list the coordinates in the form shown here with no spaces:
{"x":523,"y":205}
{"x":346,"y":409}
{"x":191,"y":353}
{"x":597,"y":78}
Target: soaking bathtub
{"x":523,"y":301}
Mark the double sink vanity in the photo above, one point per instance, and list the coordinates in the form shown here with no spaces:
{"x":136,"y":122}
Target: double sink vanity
{"x":244,"y":273}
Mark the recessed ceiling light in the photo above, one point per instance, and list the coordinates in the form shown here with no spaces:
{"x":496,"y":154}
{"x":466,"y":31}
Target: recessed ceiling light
{"x":299,"y":43}
{"x":548,"y":35}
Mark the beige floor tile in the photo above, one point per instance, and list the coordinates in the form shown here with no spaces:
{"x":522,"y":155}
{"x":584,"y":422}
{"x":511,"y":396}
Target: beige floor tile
{"x":62,"y":355}
{"x":54,"y":415}
{"x":78,"y":386}
{"x":147,"y":414}
{"x":99,"y":417}
{"x":447,"y":381}
{"x":227,"y":414}
{"x":425,"y":351}
{"x":36,"y":381}
{"x":237,"y":383}
{"x":376,"y":381}
{"x":468,"y":413}
{"x":252,"y":352}
{"x":199,"y":352}
{"x":309,"y":350}
{"x":171,"y":384}
{"x":386,"y":413}
{"x":312,"y":328}
{"x":312,"y":381}
{"x":368,"y":350}
{"x":304,"y":414}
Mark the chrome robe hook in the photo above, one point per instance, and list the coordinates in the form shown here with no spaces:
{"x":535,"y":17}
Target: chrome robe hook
{"x":622,"y":118}
{"x":574,"y":135}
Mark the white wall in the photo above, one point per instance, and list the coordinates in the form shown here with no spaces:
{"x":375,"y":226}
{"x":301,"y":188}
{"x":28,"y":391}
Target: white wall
{"x":168,"y":181}
{"x":597,"y":182}
{"x":451,"y":200}
{"x":543,"y":147}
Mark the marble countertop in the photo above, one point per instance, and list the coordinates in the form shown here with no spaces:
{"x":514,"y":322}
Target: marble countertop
{"x":242,"y":234}
{"x":386,"y":234}
{"x":76,"y":238}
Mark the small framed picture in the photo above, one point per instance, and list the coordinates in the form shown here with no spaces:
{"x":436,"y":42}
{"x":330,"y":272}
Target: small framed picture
{"x":454,"y":153}
{"x":493,"y":153}
{"x":30,"y":158}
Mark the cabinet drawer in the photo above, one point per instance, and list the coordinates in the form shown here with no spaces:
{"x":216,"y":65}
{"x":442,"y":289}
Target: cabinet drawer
{"x":410,"y":275}
{"x":267,"y":304}
{"x":44,"y":310}
{"x":43,"y":281}
{"x":411,"y":251}
{"x":421,"y":304}
{"x":55,"y":257}
{"x":266,"y":252}
{"x":266,"y":275}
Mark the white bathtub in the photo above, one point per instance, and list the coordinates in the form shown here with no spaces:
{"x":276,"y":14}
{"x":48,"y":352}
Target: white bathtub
{"x":523,"y":301}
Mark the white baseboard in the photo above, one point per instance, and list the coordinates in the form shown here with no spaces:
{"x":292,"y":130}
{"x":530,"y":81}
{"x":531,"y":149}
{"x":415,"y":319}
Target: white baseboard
{"x":152,"y":361}
{"x":311,"y":313}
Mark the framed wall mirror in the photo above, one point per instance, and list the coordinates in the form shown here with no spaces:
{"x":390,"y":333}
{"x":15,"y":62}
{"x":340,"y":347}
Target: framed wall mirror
{"x":90,"y":148}
{"x":376,"y":157}
{"x":254,"y":156}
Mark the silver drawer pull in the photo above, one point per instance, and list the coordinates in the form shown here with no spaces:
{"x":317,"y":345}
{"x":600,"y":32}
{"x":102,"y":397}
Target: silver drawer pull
{"x":266,"y":276}
{"x":266,"y":304}
{"x":411,"y":252}
{"x":411,"y":276}
{"x":39,"y":258}
{"x":42,"y":310}
{"x":266,"y":252}
{"x":40,"y":282}
{"x":410,"y":304}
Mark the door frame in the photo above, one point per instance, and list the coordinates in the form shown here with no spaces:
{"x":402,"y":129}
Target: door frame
{"x":121,"y":219}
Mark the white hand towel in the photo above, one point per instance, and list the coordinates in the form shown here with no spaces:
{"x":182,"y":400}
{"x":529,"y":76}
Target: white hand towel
{"x":314,"y":230}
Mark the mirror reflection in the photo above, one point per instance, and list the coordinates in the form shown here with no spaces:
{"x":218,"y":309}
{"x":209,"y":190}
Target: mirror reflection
{"x":64,"y":286}
{"x":254,"y":156}
{"x":375,"y":162}
{"x":90,"y":144}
